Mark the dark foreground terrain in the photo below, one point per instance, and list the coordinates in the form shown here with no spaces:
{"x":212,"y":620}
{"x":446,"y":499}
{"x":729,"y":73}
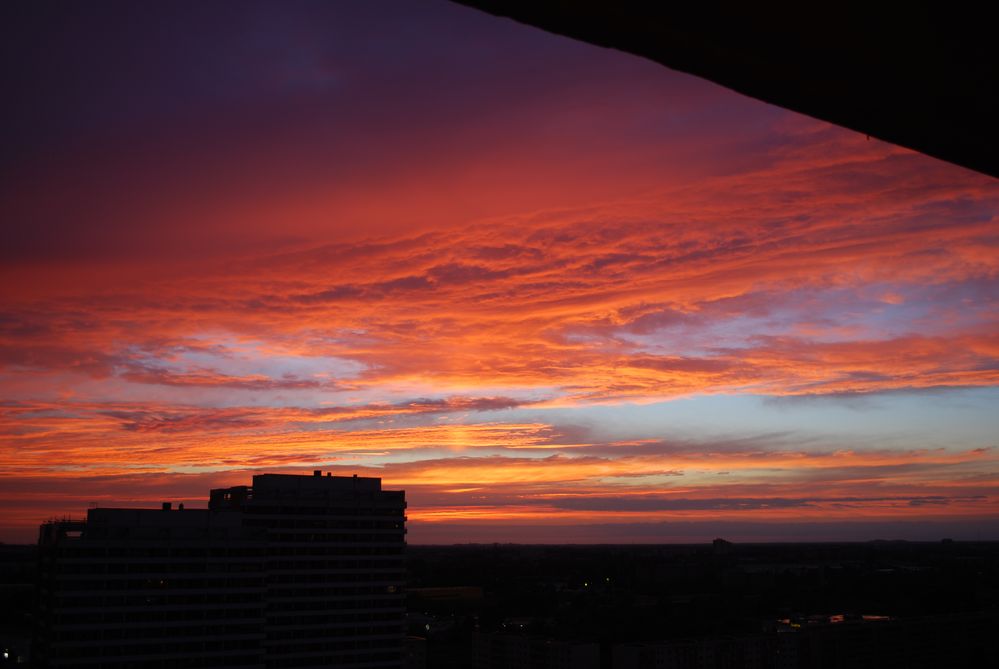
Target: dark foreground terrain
{"x":878,"y":604}
{"x":711,"y":606}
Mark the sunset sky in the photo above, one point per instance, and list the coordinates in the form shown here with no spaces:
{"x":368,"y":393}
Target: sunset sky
{"x":555,"y":292}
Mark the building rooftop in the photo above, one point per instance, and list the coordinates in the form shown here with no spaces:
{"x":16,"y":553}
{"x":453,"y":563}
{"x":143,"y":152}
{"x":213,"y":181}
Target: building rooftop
{"x":316,"y":481}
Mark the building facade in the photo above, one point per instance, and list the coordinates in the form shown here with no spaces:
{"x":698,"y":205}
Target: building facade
{"x":293,"y":571}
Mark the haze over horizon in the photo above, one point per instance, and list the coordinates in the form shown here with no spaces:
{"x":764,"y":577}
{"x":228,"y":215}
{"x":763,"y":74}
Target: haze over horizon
{"x":555,"y":292}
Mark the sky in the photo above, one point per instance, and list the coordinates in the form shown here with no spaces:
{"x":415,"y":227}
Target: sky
{"x":554,"y":292}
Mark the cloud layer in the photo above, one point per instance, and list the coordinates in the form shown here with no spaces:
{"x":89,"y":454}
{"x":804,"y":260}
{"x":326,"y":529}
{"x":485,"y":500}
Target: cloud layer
{"x":416,"y":266}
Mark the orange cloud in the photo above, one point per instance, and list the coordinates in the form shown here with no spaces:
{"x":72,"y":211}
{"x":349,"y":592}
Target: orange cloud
{"x":837,"y":267}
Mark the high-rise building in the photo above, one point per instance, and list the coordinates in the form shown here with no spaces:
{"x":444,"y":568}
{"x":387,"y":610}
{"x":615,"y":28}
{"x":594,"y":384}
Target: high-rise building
{"x":293,"y":571}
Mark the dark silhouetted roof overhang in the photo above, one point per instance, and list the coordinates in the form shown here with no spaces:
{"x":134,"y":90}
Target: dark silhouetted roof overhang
{"x":921,"y":75}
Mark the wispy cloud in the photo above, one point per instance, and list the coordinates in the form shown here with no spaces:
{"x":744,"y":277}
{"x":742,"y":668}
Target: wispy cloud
{"x":420,"y":283}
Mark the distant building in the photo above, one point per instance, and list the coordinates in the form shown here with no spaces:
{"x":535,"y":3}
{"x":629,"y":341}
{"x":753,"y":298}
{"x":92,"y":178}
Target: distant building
{"x":416,"y":652}
{"x":746,"y":652}
{"x":517,"y":651}
{"x":293,"y":571}
{"x":838,"y":641}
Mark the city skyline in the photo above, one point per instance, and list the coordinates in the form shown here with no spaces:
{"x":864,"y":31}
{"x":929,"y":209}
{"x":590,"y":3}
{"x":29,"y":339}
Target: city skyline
{"x":555,"y":292}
